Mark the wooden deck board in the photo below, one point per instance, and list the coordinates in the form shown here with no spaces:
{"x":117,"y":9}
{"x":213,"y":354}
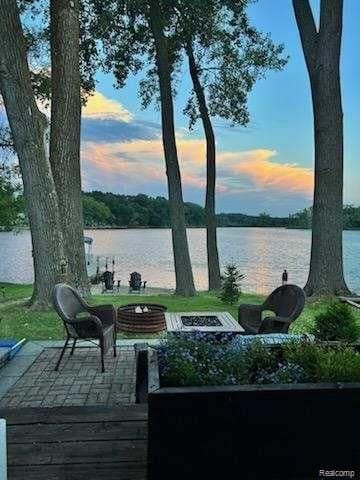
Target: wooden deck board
{"x":43,"y":432}
{"x":43,"y":453}
{"x":81,"y":414}
{"x":77,"y":443}
{"x":113,"y":471}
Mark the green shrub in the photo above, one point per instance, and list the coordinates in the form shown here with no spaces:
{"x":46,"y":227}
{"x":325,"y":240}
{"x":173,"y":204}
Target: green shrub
{"x":308,"y":356}
{"x":230,"y":291}
{"x":324,"y":363}
{"x":336,"y":323}
{"x":340,"y":365}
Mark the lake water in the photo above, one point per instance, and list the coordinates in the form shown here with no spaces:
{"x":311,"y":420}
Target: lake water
{"x":260,"y":253}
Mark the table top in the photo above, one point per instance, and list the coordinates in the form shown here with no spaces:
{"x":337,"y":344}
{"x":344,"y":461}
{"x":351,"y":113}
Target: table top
{"x":228,"y":322}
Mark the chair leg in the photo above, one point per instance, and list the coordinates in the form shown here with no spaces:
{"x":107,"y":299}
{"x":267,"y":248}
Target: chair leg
{"x":62,"y":354}
{"x":73,"y":347}
{"x":114,"y":342}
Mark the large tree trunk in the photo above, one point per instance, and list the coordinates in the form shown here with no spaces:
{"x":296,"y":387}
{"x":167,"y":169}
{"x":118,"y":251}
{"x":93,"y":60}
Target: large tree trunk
{"x":322,"y":54}
{"x":183,"y":271}
{"x":28,"y":127}
{"x":65,"y":133}
{"x":210,"y":215}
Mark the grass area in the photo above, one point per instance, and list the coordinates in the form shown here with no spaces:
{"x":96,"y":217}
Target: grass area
{"x":13,"y":291}
{"x":17,"y":321}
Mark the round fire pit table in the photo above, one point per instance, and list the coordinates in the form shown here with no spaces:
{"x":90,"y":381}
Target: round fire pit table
{"x":141,"y":317}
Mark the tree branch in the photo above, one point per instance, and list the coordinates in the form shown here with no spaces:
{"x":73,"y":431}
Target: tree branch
{"x":208,"y":69}
{"x":307,"y":29}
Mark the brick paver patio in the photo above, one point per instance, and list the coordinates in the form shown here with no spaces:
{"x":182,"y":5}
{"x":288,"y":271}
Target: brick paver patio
{"x":78,"y":382}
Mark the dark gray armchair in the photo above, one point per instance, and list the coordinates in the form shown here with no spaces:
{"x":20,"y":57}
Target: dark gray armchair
{"x":135,"y":283}
{"x":286,"y":302}
{"x":82,"y":321}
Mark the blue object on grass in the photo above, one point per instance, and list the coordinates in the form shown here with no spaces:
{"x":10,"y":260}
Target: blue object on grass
{"x":8,"y":349}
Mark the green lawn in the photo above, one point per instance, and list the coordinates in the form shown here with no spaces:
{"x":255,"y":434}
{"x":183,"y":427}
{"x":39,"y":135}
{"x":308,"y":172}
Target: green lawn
{"x":12,"y":291}
{"x":17,"y":321}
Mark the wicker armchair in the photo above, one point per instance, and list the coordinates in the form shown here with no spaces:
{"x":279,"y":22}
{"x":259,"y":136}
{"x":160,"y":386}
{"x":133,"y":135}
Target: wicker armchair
{"x":287,"y":302}
{"x":96,"y":323}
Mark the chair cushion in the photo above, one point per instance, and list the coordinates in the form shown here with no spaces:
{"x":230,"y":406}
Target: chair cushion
{"x":85,"y":328}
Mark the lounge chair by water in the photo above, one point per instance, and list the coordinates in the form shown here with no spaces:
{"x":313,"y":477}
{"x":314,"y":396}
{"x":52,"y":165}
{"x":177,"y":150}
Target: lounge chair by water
{"x":135,"y":283}
{"x":108,"y":281}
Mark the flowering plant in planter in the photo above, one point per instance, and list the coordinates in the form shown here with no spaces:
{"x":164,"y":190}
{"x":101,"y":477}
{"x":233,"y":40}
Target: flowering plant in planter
{"x":204,"y":360}
{"x":226,"y":405}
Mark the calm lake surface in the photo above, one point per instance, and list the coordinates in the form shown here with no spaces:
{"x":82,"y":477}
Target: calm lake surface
{"x":260,"y":253}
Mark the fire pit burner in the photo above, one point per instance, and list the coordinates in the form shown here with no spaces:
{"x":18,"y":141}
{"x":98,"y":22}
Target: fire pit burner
{"x":200,"y":321}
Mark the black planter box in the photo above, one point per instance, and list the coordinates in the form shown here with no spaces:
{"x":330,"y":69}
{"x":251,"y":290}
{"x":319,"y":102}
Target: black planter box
{"x":305,"y":431}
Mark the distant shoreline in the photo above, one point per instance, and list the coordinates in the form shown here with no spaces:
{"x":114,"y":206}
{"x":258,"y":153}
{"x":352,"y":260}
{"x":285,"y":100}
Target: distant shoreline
{"x":168,"y":228}
{"x":110,"y":227}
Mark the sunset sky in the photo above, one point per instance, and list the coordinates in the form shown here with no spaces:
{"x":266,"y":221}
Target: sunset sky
{"x":265,"y":167}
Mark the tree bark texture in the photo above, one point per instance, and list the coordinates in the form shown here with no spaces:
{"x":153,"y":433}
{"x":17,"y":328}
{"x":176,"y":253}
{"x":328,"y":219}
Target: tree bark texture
{"x":28,"y":127}
{"x":65,"y":133}
{"x":214,"y":275}
{"x":322,"y":50}
{"x":183,"y":270}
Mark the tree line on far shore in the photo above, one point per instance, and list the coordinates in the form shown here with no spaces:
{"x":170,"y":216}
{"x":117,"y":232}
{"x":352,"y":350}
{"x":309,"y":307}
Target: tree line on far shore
{"x":132,"y":211}
{"x":303,"y":218}
{"x":106,"y":209}
{"x":109,"y":209}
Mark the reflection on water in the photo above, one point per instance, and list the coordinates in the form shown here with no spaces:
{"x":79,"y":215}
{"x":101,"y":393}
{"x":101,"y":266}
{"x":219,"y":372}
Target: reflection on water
{"x":261,"y":253}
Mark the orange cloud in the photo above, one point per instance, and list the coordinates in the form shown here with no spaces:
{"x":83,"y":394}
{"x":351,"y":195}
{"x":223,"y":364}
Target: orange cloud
{"x":140,"y":162}
{"x":143,"y":160}
{"x":110,"y":161}
{"x":189,"y":150}
{"x":265,"y":173}
{"x":102,"y":108}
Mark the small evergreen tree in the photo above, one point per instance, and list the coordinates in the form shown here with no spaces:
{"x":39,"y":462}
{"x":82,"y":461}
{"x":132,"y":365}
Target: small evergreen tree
{"x":337,"y":323}
{"x":231,"y":290}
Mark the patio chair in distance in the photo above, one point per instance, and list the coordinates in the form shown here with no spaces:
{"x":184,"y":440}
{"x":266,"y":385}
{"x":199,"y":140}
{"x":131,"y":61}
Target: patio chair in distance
{"x":95,"y":323}
{"x":135,"y":283}
{"x":108,"y":281}
{"x":287,"y":302}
